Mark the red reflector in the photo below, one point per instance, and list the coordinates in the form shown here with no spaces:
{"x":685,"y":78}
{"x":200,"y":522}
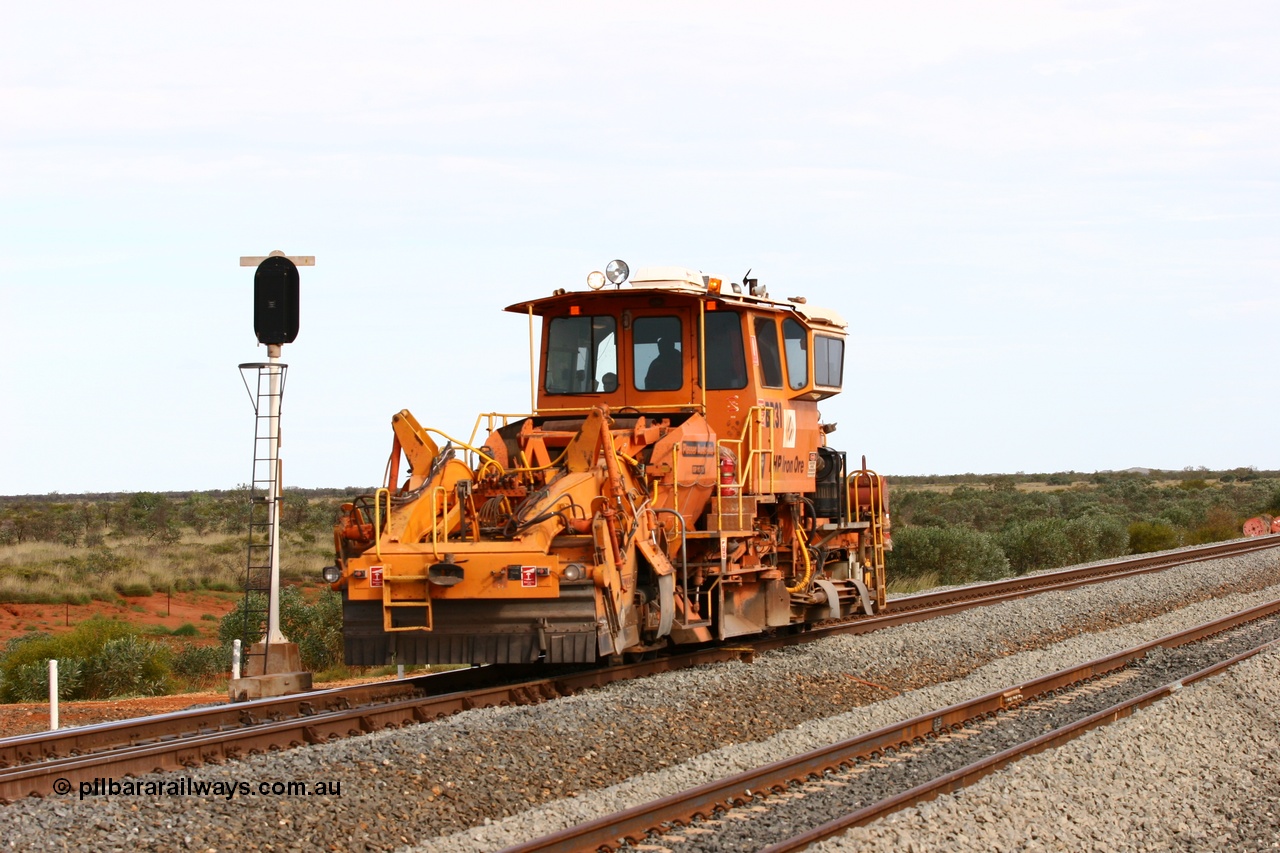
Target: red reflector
{"x":711,"y":306}
{"x":574,"y":310}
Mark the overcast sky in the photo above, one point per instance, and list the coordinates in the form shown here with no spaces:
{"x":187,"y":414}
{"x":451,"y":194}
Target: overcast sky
{"x":1051,"y":226}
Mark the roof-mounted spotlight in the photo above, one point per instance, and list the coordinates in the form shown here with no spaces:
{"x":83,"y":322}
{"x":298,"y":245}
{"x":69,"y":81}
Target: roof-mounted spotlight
{"x":617,"y":272}
{"x":595,"y":280}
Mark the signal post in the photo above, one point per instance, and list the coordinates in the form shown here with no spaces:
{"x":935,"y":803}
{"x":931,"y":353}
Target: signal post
{"x":273,"y":665}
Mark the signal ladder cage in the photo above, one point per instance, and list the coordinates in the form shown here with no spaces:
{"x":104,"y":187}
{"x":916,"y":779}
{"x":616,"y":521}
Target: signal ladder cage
{"x":263,"y":516}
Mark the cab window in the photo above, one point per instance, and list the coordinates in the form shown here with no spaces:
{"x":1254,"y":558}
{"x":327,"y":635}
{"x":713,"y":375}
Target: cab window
{"x":767,"y":347}
{"x":796,"y":339}
{"x":581,"y":355}
{"x":657,"y":353}
{"x":726,"y":365}
{"x":828,"y":361}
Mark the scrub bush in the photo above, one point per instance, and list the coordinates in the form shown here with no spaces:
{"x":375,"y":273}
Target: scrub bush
{"x":1148,"y":536}
{"x":198,"y":664}
{"x":1035,"y":545}
{"x":315,"y":626}
{"x":99,"y":659}
{"x":955,"y":554}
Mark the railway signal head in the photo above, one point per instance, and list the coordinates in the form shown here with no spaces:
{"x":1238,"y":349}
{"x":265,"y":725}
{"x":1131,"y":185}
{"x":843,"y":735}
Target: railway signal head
{"x":275,"y":300}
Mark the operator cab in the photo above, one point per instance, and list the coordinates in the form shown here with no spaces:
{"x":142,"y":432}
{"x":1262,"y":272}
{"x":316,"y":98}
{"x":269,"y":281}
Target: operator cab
{"x":671,"y":336}
{"x":671,"y":342}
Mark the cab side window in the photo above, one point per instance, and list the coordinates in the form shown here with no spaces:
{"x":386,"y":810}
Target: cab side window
{"x":726,"y":365}
{"x":796,"y":338}
{"x":828,"y":361}
{"x":657,"y":353}
{"x":581,"y":355}
{"x":767,"y":347}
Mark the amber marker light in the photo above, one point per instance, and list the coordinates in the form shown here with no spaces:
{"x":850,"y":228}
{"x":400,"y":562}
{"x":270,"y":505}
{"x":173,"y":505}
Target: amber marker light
{"x":713,"y":286}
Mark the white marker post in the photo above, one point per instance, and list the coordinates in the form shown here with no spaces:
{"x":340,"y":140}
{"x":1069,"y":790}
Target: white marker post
{"x":53,"y":695}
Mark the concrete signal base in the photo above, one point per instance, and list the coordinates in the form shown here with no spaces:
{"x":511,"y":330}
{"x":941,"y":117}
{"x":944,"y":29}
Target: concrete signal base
{"x":279,"y":673}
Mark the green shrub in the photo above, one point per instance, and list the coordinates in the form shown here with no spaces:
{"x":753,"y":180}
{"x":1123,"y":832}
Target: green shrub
{"x":956,"y":554}
{"x":127,"y":666}
{"x":29,"y":682}
{"x":134,"y":589}
{"x":1096,"y":537}
{"x":1219,"y":525}
{"x":99,"y":659}
{"x":1035,"y":545}
{"x":98,"y":563}
{"x":1273,"y":504}
{"x":316,"y":627}
{"x":201,"y":663}
{"x":221,"y":585}
{"x":186,"y":629}
{"x":1148,"y":536}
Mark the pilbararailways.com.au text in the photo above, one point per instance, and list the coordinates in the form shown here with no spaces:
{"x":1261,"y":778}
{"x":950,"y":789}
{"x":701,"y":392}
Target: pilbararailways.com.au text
{"x":185,"y":786}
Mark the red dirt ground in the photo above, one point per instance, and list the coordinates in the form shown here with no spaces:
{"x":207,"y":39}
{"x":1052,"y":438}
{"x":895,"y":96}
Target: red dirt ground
{"x":29,"y":717}
{"x":183,"y":608}
{"x":34,"y":717}
{"x":159,"y":609}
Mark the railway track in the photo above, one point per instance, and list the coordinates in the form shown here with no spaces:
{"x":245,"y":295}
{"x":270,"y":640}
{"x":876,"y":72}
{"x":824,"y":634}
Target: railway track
{"x":830,"y":790}
{"x":31,"y":764}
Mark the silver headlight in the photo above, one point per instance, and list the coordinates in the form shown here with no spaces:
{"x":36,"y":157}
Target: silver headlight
{"x":617,"y":272}
{"x":574,"y":572}
{"x":331,"y":574}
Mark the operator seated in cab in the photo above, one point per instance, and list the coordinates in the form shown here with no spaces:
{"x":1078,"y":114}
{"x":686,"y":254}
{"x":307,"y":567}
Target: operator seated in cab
{"x":666,"y":372}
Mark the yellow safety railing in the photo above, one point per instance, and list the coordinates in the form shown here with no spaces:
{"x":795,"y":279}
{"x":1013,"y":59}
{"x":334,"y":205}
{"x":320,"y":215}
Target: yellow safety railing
{"x":675,"y":475}
{"x":440,"y":519}
{"x":754,"y":448}
{"x":490,"y":418}
{"x":875,"y":490}
{"x":377,"y":519}
{"x":388,"y":578}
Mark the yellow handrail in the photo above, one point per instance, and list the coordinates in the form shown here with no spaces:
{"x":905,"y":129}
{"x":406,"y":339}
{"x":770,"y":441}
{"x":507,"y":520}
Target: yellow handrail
{"x":439,"y":518}
{"x":747,"y":478}
{"x":675,"y":475}
{"x":377,"y":519}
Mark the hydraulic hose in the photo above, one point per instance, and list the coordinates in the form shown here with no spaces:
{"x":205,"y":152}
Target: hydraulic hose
{"x":808,"y":564}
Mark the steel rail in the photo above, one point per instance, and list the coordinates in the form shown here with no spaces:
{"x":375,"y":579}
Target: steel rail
{"x":998,"y":590}
{"x":969,"y":774}
{"x":928,"y":605}
{"x":38,"y":746}
{"x":633,"y":825}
